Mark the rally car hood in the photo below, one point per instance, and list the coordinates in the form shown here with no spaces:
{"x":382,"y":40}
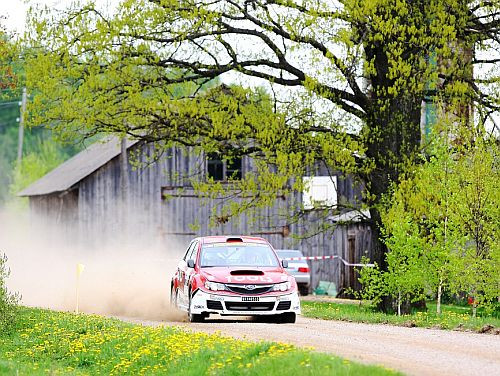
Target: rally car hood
{"x":262,"y":275}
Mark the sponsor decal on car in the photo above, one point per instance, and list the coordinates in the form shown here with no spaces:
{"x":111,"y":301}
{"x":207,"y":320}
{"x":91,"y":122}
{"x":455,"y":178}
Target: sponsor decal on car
{"x":216,"y":297}
{"x":250,"y":278}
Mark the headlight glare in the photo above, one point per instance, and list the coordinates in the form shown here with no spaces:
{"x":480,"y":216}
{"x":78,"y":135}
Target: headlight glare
{"x":214,"y":286}
{"x":282,"y":286}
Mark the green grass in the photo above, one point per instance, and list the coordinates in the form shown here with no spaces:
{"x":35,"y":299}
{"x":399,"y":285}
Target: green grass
{"x":452,"y":317}
{"x":50,"y":343}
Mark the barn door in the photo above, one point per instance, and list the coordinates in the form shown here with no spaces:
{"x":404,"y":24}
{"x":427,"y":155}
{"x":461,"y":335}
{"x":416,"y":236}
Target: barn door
{"x":351,"y":259}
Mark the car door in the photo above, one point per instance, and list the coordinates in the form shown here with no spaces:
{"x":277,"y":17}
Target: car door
{"x":182,"y":269}
{"x":191,"y":255}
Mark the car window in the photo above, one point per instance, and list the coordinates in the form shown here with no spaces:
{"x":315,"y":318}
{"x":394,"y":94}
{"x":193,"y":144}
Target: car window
{"x":188,"y":251}
{"x":288,"y":253}
{"x":240,"y":254}
{"x":192,"y":252}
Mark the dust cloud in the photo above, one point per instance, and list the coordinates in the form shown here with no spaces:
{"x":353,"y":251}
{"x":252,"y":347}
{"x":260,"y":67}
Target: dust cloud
{"x":125,"y":277}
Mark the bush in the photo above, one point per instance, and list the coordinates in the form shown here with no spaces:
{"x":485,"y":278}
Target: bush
{"x":8,"y":301}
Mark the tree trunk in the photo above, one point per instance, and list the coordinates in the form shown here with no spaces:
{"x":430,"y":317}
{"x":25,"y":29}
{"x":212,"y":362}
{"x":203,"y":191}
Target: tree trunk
{"x":394,"y":141}
{"x":399,"y":303}
{"x":439,"y":293}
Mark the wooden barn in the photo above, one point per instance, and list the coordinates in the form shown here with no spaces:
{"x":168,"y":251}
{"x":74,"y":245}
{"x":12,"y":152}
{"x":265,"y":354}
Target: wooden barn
{"x":98,"y":195}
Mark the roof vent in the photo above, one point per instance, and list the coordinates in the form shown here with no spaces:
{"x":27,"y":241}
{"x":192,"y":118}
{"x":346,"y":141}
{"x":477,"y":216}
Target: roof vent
{"x":234,"y":240}
{"x":247,"y":272}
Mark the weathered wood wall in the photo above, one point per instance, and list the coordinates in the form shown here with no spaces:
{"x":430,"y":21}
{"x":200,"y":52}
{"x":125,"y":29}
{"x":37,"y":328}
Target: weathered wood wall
{"x":102,"y":213}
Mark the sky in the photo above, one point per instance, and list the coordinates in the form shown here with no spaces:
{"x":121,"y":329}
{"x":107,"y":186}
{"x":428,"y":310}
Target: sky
{"x":15,"y":13}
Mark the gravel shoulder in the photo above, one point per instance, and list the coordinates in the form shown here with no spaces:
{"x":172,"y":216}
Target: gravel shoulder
{"x":414,"y":351}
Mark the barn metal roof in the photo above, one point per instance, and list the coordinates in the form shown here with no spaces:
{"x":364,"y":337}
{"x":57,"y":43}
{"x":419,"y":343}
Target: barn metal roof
{"x":76,"y":168}
{"x":352,"y":216}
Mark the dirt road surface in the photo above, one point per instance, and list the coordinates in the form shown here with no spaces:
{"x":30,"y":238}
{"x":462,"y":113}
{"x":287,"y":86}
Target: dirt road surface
{"x":414,"y":351}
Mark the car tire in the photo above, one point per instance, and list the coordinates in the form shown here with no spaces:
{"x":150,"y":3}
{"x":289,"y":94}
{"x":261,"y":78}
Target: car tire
{"x":304,"y":290}
{"x":287,"y":318}
{"x":173,"y":298}
{"x":194,"y":317}
{"x":267,"y":319}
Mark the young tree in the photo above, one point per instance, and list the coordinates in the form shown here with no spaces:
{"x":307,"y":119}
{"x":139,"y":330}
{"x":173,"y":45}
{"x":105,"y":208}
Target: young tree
{"x":443,"y":219}
{"x":417,"y":222}
{"x":8,"y":300}
{"x":349,"y":79}
{"x":476,"y":213}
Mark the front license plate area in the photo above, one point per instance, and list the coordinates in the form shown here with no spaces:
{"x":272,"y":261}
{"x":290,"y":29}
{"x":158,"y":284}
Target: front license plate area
{"x":249,"y":298}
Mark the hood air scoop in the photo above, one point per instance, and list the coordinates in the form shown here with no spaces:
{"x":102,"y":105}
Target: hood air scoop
{"x":247,"y":272}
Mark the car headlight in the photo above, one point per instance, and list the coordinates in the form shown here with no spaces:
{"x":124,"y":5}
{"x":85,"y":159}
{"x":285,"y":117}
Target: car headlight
{"x":282,"y":286}
{"x":214,"y":286}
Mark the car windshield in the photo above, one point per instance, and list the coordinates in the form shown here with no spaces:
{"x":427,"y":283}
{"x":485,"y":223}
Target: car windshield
{"x":288,"y":253}
{"x":238,"y":254}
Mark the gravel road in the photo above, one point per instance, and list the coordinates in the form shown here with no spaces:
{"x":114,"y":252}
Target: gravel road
{"x":414,"y":351}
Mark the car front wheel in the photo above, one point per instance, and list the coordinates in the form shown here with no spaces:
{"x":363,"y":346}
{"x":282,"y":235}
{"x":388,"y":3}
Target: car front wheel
{"x":286,"y":318}
{"x":303,"y":290}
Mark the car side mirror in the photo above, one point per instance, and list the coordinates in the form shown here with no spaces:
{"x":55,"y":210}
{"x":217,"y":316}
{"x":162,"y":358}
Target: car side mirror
{"x":284,"y":263}
{"x":190,"y":264}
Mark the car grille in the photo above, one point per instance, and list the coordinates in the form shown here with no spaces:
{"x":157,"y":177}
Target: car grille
{"x":240,"y":289}
{"x":214,"y":304}
{"x":249,"y":306}
{"x":284,"y":305}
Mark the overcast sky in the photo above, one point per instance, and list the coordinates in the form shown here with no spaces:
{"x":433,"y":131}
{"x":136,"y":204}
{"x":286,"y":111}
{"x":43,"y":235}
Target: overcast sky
{"x":14,"y":11}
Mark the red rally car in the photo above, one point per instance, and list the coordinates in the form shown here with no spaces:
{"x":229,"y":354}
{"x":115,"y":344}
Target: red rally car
{"x":231,"y":275}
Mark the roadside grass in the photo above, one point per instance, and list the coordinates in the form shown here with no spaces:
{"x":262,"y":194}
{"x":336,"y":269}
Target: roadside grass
{"x":51,"y":343}
{"x":452,"y":317}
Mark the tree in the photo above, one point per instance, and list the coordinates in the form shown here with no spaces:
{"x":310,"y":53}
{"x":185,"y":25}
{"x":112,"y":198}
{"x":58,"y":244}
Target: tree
{"x":348,"y":78}
{"x":7,"y":55}
{"x":476,"y":212}
{"x":8,"y":300}
{"x":9,"y":110}
{"x":417,"y":225}
{"x":44,"y":157}
{"x":443,"y":220}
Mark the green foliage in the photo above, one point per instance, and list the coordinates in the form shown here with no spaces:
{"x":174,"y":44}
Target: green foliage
{"x":120,"y":73}
{"x":57,"y":342}
{"x":34,"y":165}
{"x":9,"y":108}
{"x":38,"y":146}
{"x":476,"y":212}
{"x":8,"y":300}
{"x":8,"y":54}
{"x":442,"y":225}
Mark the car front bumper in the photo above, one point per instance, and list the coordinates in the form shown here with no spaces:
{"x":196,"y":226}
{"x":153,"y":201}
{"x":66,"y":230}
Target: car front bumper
{"x":244,"y":305}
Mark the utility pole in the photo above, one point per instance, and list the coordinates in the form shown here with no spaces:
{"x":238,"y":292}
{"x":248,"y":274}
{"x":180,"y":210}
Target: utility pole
{"x":21,"y":127}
